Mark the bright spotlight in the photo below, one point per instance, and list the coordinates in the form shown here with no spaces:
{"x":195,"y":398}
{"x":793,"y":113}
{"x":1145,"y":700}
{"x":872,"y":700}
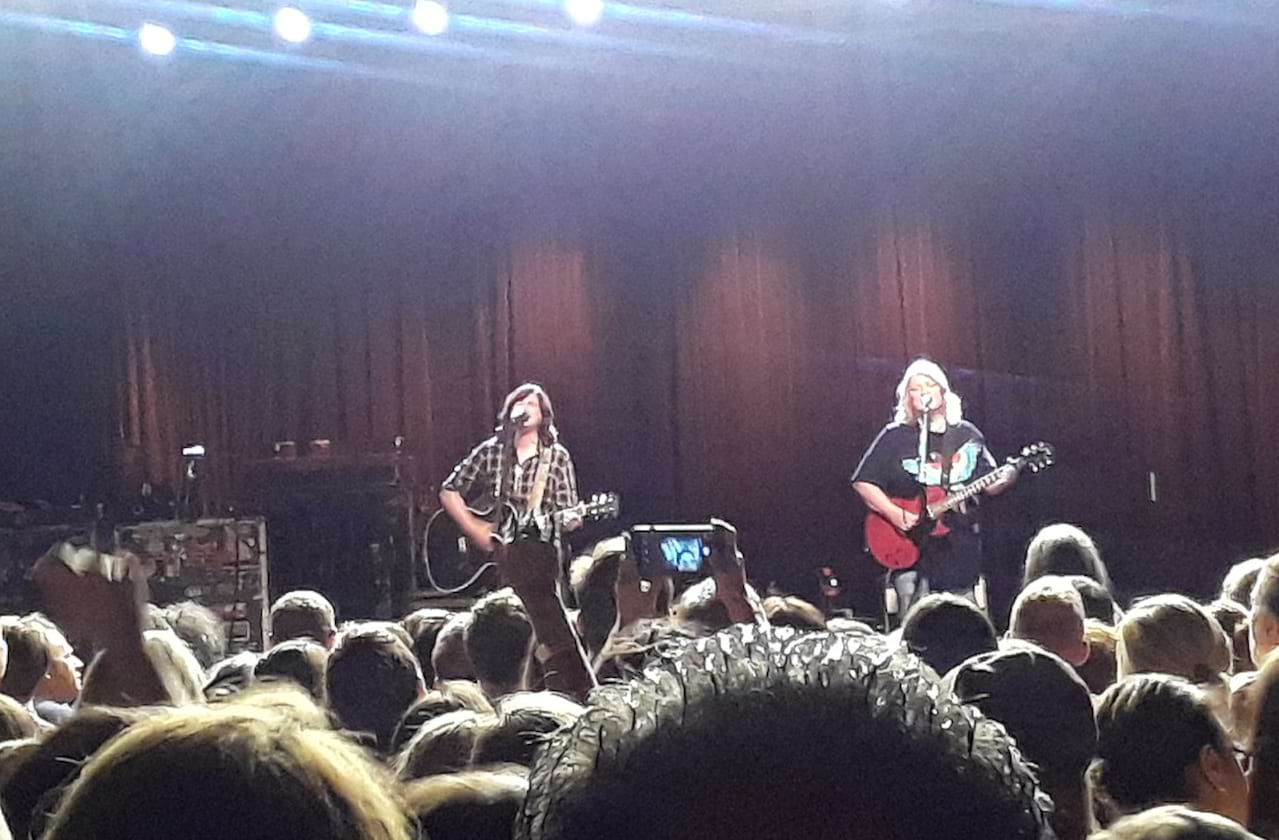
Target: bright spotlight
{"x":430,"y":17}
{"x":292,"y":24}
{"x":156,"y":39}
{"x":585,"y":12}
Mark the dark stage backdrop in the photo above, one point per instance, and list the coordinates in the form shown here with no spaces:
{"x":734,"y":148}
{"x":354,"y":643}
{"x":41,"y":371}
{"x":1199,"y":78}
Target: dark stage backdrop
{"x":718,"y":285}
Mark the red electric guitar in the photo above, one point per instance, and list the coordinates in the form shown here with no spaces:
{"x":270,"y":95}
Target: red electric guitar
{"x":894,"y":549}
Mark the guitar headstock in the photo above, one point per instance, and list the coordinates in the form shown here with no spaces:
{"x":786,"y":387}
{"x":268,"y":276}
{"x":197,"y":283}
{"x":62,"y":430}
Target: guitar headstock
{"x":601,"y":506}
{"x":1036,"y":456}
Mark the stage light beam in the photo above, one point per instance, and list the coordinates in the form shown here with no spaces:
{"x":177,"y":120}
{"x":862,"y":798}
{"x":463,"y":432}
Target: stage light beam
{"x":584,"y":12}
{"x":292,"y":25}
{"x":430,"y":17}
{"x":156,"y":39}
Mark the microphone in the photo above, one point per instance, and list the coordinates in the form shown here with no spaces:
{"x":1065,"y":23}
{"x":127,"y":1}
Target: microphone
{"x":926,"y":401}
{"x":519,"y":415}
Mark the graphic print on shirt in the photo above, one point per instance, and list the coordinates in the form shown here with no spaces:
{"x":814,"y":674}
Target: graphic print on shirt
{"x":962,"y":465}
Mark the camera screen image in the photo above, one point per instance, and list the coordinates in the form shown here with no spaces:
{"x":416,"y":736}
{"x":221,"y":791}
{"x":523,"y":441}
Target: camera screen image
{"x":684,"y":554}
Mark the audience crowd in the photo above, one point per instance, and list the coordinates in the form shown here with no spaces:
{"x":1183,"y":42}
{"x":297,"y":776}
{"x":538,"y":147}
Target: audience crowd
{"x":615,"y":706}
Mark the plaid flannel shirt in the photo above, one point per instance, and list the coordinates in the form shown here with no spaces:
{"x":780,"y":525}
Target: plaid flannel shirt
{"x":476,"y":477}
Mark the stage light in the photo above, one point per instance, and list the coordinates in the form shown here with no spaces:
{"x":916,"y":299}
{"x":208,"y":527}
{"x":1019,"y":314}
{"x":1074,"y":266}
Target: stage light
{"x":292,"y":24}
{"x":430,"y":17}
{"x":585,"y":12}
{"x":156,"y":39}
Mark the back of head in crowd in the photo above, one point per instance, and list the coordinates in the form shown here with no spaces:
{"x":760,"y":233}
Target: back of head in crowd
{"x":443,"y":744}
{"x":448,"y":696}
{"x":944,"y":630}
{"x":1100,"y":671}
{"x":524,"y":720}
{"x":1158,"y":742}
{"x":764,"y":734}
{"x":499,"y":642}
{"x":1238,"y":583}
{"x":1048,"y":710}
{"x":229,"y":771}
{"x":201,"y":628}
{"x":1049,"y":612}
{"x":28,"y":660}
{"x":16,"y":722}
{"x":1233,"y":618}
{"x":37,"y":783}
{"x":1265,"y":611}
{"x":700,"y":610}
{"x":790,"y":611}
{"x":449,"y":659}
{"x":1264,"y":776}
{"x":476,"y":804}
{"x":1175,"y":822}
{"x":1099,"y":603}
{"x":1171,"y":634}
{"x":371,"y":681}
{"x":1064,"y":549}
{"x":303,"y":613}
{"x":301,"y":661}
{"x":424,"y":626}
{"x":593,"y":578}
{"x":174,"y":663}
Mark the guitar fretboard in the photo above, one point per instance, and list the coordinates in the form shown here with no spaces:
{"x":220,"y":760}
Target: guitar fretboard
{"x":938,"y":508}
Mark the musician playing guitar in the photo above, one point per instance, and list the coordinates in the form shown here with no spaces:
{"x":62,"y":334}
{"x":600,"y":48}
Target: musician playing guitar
{"x":928,"y":444}
{"x":507,"y":467}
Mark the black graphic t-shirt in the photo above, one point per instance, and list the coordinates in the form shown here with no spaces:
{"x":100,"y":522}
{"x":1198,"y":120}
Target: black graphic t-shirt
{"x":892,"y":464}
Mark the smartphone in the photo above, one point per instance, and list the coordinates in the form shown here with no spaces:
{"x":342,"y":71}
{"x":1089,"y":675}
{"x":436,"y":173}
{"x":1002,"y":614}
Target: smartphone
{"x":672,"y":549}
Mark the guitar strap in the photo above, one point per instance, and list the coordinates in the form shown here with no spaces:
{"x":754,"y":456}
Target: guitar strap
{"x":539,"y":481}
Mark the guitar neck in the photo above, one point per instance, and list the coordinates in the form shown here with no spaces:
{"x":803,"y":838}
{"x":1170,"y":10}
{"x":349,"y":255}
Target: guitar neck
{"x":952,"y":500}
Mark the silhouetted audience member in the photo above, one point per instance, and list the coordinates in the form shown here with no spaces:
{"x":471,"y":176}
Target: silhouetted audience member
{"x":27,"y":663}
{"x":790,"y":611}
{"x":423,"y":626}
{"x":300,"y":661}
{"x":1233,"y":618}
{"x":524,"y":720}
{"x":1171,"y":634}
{"x":201,"y":628}
{"x":16,"y":721}
{"x":1046,"y":707}
{"x":1263,"y":808}
{"x":32,"y":791}
{"x":1175,"y":822}
{"x":757,"y":733}
{"x":1264,"y":626}
{"x":448,"y":696}
{"x":371,"y":681}
{"x":443,"y":744}
{"x":303,"y":613}
{"x":1050,"y":613}
{"x":499,"y":641}
{"x":449,"y":660}
{"x":1101,"y":670}
{"x":1099,"y":603}
{"x":231,"y":675}
{"x":1064,"y":549}
{"x":1238,"y":583}
{"x":476,"y":804}
{"x":944,"y":630}
{"x":231,"y":771}
{"x":1159,"y":742}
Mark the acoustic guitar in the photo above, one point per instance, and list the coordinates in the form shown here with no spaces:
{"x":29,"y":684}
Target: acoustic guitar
{"x":454,"y":564}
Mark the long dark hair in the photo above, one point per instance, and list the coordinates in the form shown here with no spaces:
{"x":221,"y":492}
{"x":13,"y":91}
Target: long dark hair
{"x":547,"y":431}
